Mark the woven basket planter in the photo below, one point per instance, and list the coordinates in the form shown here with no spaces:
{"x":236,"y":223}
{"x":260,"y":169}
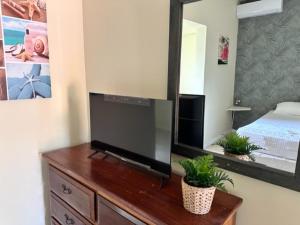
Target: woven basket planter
{"x":240,"y":157}
{"x":197,"y":200}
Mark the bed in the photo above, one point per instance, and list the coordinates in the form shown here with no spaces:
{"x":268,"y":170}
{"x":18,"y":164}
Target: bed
{"x":278,"y":134}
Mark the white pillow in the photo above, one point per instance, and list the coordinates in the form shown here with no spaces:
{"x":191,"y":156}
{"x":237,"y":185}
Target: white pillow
{"x":289,"y":108}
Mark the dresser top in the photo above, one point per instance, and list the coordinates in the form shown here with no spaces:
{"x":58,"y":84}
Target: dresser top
{"x":136,"y":190}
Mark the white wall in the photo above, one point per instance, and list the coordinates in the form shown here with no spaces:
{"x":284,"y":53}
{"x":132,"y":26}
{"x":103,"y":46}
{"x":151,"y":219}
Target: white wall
{"x":264,"y":204}
{"x":192,"y":66}
{"x":33,"y":126}
{"x":220,"y":19}
{"x":120,"y":51}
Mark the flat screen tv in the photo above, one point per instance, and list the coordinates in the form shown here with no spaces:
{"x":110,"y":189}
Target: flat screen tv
{"x":137,"y":129}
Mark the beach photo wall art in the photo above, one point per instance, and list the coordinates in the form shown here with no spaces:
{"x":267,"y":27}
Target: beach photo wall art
{"x":24,"y":50}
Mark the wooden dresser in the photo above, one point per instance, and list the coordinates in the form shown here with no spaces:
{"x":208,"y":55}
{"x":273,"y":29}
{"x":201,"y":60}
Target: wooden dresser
{"x":106,"y":191}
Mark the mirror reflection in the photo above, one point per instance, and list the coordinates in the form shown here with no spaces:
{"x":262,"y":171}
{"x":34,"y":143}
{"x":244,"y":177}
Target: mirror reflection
{"x":239,"y":89}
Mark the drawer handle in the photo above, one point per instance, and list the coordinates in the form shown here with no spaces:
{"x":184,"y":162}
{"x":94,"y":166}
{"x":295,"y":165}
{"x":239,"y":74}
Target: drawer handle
{"x":66,"y":190}
{"x":69,"y":220}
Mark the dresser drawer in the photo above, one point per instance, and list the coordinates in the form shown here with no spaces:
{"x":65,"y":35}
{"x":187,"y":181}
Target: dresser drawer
{"x":64,"y":214}
{"x":76,"y":195}
{"x":54,"y":222}
{"x":110,"y":214}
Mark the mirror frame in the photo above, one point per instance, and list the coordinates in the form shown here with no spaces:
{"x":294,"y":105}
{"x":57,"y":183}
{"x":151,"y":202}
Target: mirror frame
{"x":257,"y":171}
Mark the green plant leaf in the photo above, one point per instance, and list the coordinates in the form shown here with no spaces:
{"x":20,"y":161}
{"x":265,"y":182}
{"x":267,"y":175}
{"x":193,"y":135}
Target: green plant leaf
{"x":233,"y":143}
{"x":203,"y":172}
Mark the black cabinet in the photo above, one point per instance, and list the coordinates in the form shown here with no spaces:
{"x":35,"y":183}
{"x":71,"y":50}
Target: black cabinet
{"x":191,"y":120}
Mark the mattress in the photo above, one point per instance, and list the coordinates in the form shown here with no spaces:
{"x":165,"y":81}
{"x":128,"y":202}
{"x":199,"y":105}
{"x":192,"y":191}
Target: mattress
{"x":278,"y":134}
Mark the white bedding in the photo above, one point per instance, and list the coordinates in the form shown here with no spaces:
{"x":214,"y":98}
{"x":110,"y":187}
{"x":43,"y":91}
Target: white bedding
{"x":278,"y":134}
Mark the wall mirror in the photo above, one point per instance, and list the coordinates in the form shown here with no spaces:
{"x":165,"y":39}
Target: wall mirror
{"x":236,"y":85}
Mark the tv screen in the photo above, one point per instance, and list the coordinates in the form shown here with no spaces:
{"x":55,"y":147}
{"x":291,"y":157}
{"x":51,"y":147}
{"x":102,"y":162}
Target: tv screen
{"x":135,"y":128}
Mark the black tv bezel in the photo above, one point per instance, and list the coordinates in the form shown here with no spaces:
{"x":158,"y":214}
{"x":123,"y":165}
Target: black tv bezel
{"x":156,"y":166}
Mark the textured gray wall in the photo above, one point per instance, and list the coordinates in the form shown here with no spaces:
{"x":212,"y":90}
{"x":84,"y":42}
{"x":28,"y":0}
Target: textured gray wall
{"x":268,"y":62}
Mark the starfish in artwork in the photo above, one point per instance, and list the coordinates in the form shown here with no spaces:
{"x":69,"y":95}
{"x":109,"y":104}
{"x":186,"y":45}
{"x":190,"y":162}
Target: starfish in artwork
{"x":33,"y":84}
{"x":32,"y":6}
{"x":30,"y":79}
{"x":25,"y":56}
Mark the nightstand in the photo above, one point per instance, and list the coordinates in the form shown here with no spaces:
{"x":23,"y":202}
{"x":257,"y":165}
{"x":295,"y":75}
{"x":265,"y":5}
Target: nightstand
{"x":236,"y":108}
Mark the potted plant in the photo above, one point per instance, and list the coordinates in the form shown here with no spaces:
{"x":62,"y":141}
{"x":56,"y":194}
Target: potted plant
{"x":200,"y":183}
{"x":238,"y":146}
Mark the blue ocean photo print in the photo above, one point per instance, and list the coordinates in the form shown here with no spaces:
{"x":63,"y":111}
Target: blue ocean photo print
{"x":25,"y":38}
{"x":28,"y":81}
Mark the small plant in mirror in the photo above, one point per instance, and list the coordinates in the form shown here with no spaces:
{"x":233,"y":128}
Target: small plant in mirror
{"x":238,"y":146}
